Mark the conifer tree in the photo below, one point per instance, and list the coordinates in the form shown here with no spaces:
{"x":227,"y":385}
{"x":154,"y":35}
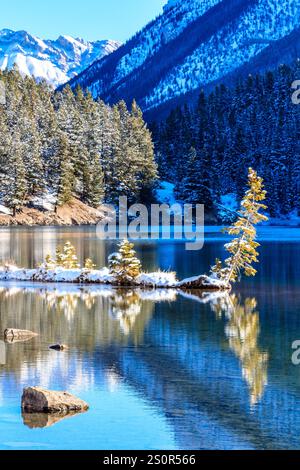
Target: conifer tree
{"x":59,"y":259}
{"x":66,"y":173}
{"x":92,"y":179}
{"x":49,"y":263}
{"x":124,"y":265}
{"x":143,"y":162}
{"x":188,"y":189}
{"x":252,"y":124}
{"x":70,"y":257}
{"x":89,"y":264}
{"x":15,"y":186}
{"x":243,"y":249}
{"x":67,"y":258}
{"x":69,"y":145}
{"x":35,"y":169}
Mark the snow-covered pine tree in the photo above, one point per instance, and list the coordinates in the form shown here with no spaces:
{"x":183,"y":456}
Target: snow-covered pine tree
{"x":32,"y":155}
{"x":49,"y":263}
{"x":92,"y":178}
{"x":124,"y":265}
{"x":5,"y":153}
{"x":252,"y":124}
{"x":66,"y":182}
{"x":105,"y":137}
{"x":67,"y":258}
{"x":143,"y":162}
{"x":59,"y":258}
{"x":93,"y":184}
{"x":15,"y":185}
{"x":93,"y":189}
{"x":115,"y":168}
{"x":89,"y":264}
{"x":72,"y":145}
{"x":70,"y":257}
{"x":127,"y":155}
{"x":187,"y":189}
{"x":243,"y":249}
{"x":74,"y":124}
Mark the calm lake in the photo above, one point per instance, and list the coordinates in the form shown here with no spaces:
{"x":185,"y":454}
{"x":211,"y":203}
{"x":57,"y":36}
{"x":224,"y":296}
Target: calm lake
{"x":159,"y":369}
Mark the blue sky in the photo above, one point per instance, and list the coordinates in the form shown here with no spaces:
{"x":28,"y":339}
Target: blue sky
{"x":90,"y":19}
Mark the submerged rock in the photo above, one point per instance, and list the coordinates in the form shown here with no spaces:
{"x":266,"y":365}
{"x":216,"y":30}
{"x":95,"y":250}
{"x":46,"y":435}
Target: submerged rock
{"x":39,"y":400}
{"x":58,"y":347}
{"x":12,"y":335}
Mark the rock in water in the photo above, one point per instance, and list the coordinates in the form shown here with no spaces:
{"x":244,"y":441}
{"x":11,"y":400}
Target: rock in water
{"x":39,"y":400}
{"x":204,"y":283}
{"x":11,"y":335}
{"x":58,"y":347}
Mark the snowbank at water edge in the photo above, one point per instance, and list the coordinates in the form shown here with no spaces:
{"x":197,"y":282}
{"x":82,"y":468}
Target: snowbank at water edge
{"x":103,"y":276}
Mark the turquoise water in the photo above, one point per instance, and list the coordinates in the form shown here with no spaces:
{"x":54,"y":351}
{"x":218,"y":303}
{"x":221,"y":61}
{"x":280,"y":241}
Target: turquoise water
{"x":160,"y":370}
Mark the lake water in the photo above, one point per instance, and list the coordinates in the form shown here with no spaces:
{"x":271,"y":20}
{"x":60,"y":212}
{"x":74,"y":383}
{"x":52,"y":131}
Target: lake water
{"x":160,"y":370}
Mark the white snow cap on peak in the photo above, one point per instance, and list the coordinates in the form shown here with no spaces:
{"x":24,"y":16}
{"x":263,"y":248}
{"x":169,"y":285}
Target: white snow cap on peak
{"x":55,"y":61}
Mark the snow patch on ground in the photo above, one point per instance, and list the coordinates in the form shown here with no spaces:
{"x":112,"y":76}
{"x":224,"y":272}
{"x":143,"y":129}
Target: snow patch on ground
{"x":203,"y":280}
{"x":46,"y":202}
{"x":157,"y":279}
{"x":5,"y":210}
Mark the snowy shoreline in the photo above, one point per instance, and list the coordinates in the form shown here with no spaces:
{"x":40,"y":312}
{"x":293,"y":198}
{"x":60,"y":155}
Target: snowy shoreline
{"x":156,"y":280}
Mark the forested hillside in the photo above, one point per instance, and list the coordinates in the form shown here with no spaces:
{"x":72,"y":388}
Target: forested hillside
{"x":193,"y":45}
{"x":66,"y":144}
{"x":206,"y":151}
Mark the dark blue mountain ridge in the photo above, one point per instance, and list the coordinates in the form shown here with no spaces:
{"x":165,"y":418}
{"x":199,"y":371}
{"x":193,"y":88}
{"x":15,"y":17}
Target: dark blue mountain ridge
{"x":193,"y":45}
{"x":284,"y":51}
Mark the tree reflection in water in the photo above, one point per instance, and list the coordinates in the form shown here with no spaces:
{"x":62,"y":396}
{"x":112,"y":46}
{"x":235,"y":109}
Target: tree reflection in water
{"x":125,"y":307}
{"x":243,"y":330}
{"x":86,"y":318}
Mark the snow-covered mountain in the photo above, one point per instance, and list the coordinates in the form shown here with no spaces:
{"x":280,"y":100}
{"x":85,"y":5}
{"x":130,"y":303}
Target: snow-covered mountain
{"x":55,"y":61}
{"x":191,"y":45}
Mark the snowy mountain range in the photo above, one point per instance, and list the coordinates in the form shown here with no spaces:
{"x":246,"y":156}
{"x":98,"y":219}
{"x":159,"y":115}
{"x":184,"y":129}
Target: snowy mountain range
{"x":56,"y":61}
{"x":194,"y":44}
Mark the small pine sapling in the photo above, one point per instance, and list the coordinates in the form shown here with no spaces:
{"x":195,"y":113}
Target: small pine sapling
{"x":89,"y":265}
{"x":70,"y":260}
{"x":49,"y":263}
{"x":66,"y":257}
{"x":59,"y":257}
{"x":124,"y":265}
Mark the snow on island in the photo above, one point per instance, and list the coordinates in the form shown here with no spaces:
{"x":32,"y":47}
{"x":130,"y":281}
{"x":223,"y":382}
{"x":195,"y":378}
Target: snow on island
{"x":103,"y":276}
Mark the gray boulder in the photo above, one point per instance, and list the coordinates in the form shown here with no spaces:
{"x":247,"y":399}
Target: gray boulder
{"x":39,"y":400}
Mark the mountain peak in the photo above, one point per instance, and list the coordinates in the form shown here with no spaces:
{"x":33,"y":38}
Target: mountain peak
{"x":55,"y":61}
